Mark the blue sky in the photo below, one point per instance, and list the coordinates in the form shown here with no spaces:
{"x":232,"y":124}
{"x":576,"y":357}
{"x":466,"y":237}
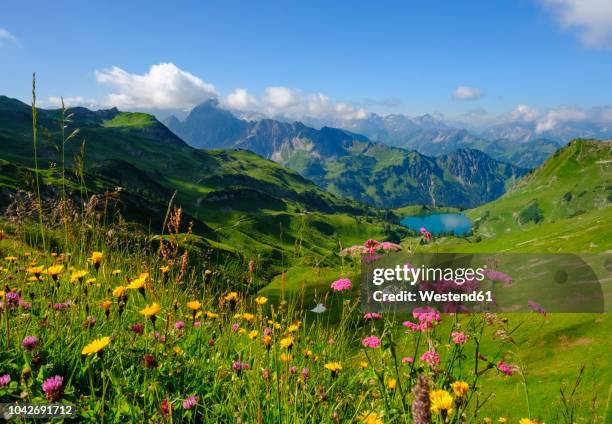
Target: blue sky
{"x":330,"y":57}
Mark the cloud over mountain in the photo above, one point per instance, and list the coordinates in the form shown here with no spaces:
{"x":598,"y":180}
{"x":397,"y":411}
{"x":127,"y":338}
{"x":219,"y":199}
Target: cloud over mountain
{"x":164,"y":86}
{"x":467,"y":93}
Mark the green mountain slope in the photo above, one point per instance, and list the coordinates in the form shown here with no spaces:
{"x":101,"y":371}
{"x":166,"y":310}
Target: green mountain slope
{"x":565,"y":205}
{"x":351,"y":165}
{"x":239,"y":200}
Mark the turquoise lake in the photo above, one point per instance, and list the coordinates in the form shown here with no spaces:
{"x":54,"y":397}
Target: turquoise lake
{"x":439,"y":223}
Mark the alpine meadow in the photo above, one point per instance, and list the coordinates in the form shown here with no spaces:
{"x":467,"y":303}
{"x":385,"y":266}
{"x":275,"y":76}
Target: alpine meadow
{"x":173,"y":251}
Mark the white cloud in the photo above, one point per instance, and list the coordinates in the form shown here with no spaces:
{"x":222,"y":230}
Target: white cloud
{"x":558,"y":116}
{"x":524,"y":113}
{"x":591,"y":18}
{"x":56,"y":102}
{"x":240,"y":99}
{"x":467,"y":93}
{"x":164,"y":86}
{"x":279,"y":101}
{"x":5,"y":35}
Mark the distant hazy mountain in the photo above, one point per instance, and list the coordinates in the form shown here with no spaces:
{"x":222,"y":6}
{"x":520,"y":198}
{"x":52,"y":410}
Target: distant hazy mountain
{"x":521,"y":143}
{"x":350,"y":164}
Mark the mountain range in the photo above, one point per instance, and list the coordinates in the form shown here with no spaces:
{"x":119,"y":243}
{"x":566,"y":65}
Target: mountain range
{"x":351,"y":165}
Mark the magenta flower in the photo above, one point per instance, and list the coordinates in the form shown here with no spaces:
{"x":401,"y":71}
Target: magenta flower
{"x":536,"y":307}
{"x":493,"y":275}
{"x":138,"y":328}
{"x":407,"y":360}
{"x":426,"y":314}
{"x":265,"y":373}
{"x":190,"y":402}
{"x":341,"y":285}
{"x":372,"y":316}
{"x":459,"y":337}
{"x":425,"y":233}
{"x":305,"y":373}
{"x":235,"y":327}
{"x":371,"y":341}
{"x":387,"y":245}
{"x":179,"y":325}
{"x":29,"y":343}
{"x":5,"y":380}
{"x":507,"y":369}
{"x":197,"y":324}
{"x":431,"y":358}
{"x":166,"y":407}
{"x":53,"y":388}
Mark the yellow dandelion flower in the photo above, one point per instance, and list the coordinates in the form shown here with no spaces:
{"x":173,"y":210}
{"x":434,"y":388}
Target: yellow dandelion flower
{"x":253,"y":334}
{"x":116,"y":272}
{"x":36,"y":270}
{"x":294,"y":327}
{"x":334,"y":367}
{"x":502,"y":420}
{"x":165,"y":269}
{"x":151,"y":310}
{"x":286,"y":357}
{"x":266,"y":340}
{"x":106,"y":304}
{"x":77,"y":275}
{"x":2,"y":294}
{"x":231,"y":296}
{"x":136,"y":284}
{"x":241,"y":330}
{"x":307,"y":353}
{"x":119,"y":291}
{"x":363,"y":365}
{"x":249,"y":317}
{"x":287,"y":342}
{"x":33,"y":278}
{"x":10,"y":258}
{"x":440,"y":400}
{"x":392,"y":383}
{"x":90,"y":281}
{"x":96,"y":258}
{"x":460,"y":388}
{"x":194,"y":305}
{"x":527,"y":421}
{"x":261,"y":300}
{"x":96,"y":346}
{"x":370,"y":418}
{"x":211,"y":315}
{"x":54,"y":270}
{"x":177,"y":350}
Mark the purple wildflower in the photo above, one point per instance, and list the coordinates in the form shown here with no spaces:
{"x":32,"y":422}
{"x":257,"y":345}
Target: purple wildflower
{"x":53,"y":388}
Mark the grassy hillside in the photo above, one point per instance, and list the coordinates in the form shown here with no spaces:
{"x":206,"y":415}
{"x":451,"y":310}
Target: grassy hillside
{"x":248,"y":204}
{"x":565,"y":206}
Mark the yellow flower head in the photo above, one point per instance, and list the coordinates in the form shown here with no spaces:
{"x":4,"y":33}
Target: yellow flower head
{"x":106,"y":304}
{"x":370,"y":418}
{"x":96,"y":346}
{"x":53,"y":271}
{"x":527,"y":421}
{"x":90,"y":280}
{"x":165,"y":269}
{"x":363,"y":365}
{"x":36,"y":270}
{"x":96,"y":258}
{"x":460,"y":388}
{"x":266,"y":340}
{"x":119,"y":291}
{"x":440,"y":400}
{"x":334,"y":367}
{"x":392,"y":383}
{"x":151,"y":310}
{"x":286,"y":357}
{"x":211,"y":315}
{"x":77,"y":275}
{"x":249,"y":317}
{"x":2,"y":293}
{"x":502,"y":420}
{"x":136,"y":284}
{"x":287,"y":342}
{"x":230,"y":296}
{"x":253,"y":334}
{"x":194,"y":305}
{"x":115,"y":272}
{"x":10,"y":258}
{"x":261,"y":300}
{"x":294,"y":327}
